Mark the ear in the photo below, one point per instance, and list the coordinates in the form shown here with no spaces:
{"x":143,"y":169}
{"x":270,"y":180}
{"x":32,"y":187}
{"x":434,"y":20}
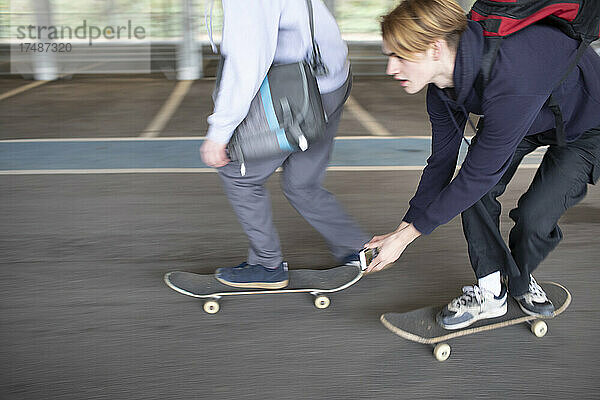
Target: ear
{"x":438,"y":47}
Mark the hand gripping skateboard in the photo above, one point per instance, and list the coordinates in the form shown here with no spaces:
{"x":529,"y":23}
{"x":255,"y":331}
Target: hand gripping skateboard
{"x":318,"y":283}
{"x":420,"y":325}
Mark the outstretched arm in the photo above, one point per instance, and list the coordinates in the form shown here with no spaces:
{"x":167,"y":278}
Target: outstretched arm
{"x":391,"y":246}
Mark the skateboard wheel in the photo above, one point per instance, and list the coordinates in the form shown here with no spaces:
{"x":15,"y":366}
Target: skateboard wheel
{"x":441,"y":351}
{"x":322,"y":302}
{"x":539,"y":328}
{"x":211,"y":307}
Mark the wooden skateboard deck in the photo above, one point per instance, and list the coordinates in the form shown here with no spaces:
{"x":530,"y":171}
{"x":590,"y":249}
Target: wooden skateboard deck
{"x":420,"y":325}
{"x":314,"y":282}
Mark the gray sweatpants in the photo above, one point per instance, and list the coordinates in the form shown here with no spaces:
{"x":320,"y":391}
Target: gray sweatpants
{"x":303,"y":174}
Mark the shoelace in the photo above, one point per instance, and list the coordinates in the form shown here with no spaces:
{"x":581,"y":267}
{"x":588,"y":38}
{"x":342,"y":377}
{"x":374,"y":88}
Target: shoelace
{"x":470,"y":294}
{"x":536,"y":291}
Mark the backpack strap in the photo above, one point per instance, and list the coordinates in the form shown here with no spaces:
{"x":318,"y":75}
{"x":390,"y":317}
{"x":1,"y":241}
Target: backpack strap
{"x":490,"y":52}
{"x":553,"y":104}
{"x":492,"y":45}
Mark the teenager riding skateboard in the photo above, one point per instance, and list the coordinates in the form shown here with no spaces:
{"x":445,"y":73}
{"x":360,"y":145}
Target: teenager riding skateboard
{"x":421,"y":326}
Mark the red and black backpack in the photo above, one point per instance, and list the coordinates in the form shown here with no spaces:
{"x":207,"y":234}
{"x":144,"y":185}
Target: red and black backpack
{"x":580,"y":19}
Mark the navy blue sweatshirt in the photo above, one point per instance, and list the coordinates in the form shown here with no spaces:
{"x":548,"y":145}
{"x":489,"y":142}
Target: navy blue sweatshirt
{"x":529,"y":65}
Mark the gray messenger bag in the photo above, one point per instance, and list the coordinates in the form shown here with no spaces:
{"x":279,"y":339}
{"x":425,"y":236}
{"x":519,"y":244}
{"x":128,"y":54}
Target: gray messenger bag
{"x":286,"y":115}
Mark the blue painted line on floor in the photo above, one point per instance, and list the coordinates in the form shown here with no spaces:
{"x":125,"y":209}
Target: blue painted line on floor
{"x":184,"y":153}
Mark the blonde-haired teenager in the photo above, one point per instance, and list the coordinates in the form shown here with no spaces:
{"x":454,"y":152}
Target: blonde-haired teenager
{"x":430,"y":43}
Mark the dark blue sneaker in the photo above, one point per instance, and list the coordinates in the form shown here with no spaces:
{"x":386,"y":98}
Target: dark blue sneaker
{"x":254,"y":276}
{"x":535,"y":302}
{"x":351,"y":259}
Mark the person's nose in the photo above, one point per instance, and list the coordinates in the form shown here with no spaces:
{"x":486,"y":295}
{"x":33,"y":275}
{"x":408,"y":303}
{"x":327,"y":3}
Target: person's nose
{"x":393,"y":66}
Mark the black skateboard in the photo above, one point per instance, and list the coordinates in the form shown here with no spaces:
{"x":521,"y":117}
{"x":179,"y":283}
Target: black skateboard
{"x":318,"y":283}
{"x":420,"y":325}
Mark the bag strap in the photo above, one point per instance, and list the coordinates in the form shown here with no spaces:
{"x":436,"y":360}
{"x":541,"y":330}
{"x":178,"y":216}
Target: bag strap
{"x":490,"y":52}
{"x":208,"y":13}
{"x":316,"y":62}
{"x":553,"y":104}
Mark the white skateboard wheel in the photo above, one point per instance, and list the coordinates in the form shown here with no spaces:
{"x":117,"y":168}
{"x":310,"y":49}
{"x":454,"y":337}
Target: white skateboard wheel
{"x":322,"y":302}
{"x":539,"y":328}
{"x":441,"y":351}
{"x":211,"y":307}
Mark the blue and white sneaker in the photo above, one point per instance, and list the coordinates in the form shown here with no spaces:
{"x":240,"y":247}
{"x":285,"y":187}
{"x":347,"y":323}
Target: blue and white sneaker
{"x":254,"y":276}
{"x":474,"y":304}
{"x":534,"y":301}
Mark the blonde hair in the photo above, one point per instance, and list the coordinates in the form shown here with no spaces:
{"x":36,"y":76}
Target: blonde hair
{"x":414,"y":25}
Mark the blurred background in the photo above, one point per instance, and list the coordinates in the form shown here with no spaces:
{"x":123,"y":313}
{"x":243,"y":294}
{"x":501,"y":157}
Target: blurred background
{"x":176,"y":41}
{"x":155,"y":83}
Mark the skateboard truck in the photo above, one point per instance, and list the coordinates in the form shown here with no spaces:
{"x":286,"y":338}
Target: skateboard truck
{"x":212,"y":306}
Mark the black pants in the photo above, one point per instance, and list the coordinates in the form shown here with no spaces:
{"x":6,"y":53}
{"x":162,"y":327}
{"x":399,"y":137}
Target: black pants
{"x":559,"y":183}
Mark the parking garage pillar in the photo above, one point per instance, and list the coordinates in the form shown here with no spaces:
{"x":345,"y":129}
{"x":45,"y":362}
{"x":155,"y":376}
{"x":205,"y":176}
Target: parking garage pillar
{"x":189,"y":59}
{"x":44,"y":62}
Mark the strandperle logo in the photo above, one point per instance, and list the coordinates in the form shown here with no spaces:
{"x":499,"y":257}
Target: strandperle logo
{"x":84,"y":31}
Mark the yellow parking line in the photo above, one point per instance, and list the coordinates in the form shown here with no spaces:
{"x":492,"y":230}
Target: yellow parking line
{"x":365,"y":119}
{"x":35,"y":84}
{"x":21,"y":89}
{"x":168,"y":109}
